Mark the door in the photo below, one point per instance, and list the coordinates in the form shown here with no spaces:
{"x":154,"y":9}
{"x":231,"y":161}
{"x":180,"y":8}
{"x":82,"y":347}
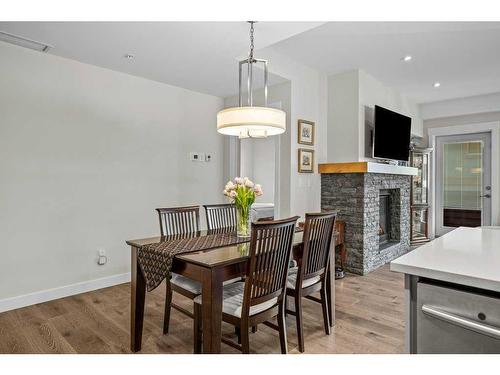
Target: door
{"x":463,"y":181}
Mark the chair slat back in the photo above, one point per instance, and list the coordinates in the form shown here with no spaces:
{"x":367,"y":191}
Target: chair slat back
{"x":270,"y":251}
{"x":179,"y":220}
{"x":221,"y":217}
{"x":318,"y":230}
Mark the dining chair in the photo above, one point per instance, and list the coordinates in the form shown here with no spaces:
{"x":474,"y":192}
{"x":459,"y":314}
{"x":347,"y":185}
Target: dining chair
{"x":310,"y":275}
{"x":221,"y":218}
{"x":179,"y":221}
{"x":262,"y":296}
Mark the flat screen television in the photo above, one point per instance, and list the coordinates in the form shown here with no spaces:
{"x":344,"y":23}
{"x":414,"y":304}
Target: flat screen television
{"x":392,"y":135}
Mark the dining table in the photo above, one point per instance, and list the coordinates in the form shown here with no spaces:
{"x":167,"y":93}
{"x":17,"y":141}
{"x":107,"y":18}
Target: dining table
{"x":211,"y":265}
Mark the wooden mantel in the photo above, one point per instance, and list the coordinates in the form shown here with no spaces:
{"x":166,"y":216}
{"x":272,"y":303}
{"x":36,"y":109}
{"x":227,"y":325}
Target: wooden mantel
{"x":366,"y":167}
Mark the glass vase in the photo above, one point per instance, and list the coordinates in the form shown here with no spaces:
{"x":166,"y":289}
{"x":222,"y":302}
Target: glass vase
{"x":243,"y":221}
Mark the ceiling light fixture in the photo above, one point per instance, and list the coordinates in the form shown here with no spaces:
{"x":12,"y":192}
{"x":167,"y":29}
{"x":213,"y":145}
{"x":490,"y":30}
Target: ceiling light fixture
{"x":436,"y":84}
{"x":251,"y":121}
{"x":407,"y":58}
{"x":129,"y":56}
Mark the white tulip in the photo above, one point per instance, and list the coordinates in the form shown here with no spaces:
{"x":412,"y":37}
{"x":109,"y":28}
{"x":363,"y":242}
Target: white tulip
{"x":248,"y":183}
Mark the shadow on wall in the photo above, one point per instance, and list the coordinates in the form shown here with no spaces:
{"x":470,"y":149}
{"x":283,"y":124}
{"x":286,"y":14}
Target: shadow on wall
{"x":369,"y":128}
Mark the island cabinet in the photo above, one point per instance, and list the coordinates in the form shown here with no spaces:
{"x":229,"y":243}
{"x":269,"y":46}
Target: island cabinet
{"x":452,"y":287}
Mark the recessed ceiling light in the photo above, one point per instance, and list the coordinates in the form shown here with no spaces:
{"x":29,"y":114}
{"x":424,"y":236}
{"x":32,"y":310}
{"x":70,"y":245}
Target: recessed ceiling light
{"x":407,"y":58}
{"x":436,"y":84}
{"x":129,"y":56}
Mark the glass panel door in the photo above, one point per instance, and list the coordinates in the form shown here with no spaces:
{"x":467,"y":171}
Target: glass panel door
{"x":463,"y":181}
{"x":420,"y":184}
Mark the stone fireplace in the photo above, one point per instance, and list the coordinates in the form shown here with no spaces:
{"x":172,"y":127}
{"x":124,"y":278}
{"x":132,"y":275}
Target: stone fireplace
{"x":375,"y":206}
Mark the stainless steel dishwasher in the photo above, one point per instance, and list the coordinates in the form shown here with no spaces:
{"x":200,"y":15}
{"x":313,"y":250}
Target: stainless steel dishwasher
{"x":451,"y":320}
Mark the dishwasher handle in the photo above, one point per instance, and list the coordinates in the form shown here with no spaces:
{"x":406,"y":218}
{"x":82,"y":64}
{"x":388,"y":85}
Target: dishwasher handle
{"x":460,"y":321}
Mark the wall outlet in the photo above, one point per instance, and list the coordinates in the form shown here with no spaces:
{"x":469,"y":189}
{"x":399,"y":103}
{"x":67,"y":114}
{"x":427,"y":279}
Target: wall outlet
{"x":208,"y":157}
{"x":102,"y":259}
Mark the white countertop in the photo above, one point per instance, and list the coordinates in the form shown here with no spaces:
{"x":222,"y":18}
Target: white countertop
{"x":466,"y":256}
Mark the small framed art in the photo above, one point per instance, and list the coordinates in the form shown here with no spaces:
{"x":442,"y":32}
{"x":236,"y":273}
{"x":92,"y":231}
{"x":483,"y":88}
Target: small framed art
{"x":306,"y":160}
{"x":306,"y":132}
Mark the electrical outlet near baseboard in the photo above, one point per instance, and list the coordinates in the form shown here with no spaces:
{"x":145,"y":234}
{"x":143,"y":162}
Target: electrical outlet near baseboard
{"x":102,"y":258}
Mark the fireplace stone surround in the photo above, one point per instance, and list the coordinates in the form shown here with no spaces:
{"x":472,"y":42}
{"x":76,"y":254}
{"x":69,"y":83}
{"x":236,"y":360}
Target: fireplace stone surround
{"x":356,"y":198}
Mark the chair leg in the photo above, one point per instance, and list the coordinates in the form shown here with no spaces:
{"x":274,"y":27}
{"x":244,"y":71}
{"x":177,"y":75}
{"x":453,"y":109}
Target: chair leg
{"x":245,"y":339}
{"x":237,"y":330}
{"x":298,"y":317}
{"x":282,"y":329}
{"x":197,"y":335}
{"x":168,"y":306}
{"x":286,"y":305}
{"x":324,"y":305}
{"x":254,"y":329}
{"x":329,"y":295}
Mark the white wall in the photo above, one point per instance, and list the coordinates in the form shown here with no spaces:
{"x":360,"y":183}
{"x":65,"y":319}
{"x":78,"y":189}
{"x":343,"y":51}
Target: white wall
{"x":86,"y":154}
{"x":309,"y":92}
{"x":461,"y":106}
{"x":351,"y":96}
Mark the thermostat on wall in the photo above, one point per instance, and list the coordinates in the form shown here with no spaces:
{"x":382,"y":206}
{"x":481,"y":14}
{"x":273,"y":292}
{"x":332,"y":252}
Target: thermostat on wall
{"x":196,"y":156}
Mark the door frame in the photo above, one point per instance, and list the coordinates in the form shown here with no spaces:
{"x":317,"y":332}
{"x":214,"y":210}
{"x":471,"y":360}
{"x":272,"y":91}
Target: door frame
{"x":483,"y":127}
{"x":484,"y":137}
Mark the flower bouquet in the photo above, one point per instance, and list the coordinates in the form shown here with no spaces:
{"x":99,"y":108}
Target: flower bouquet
{"x":242,"y":191}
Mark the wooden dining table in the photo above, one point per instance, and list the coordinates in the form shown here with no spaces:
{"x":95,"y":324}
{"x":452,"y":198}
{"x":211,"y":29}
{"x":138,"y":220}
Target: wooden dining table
{"x":211,"y":267}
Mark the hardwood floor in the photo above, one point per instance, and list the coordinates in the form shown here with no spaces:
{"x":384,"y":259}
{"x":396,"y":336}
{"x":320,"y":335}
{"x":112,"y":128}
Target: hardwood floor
{"x":370,"y":319}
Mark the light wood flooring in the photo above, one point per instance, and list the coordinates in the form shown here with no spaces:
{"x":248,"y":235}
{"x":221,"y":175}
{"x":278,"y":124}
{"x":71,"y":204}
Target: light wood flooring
{"x":370,"y":319}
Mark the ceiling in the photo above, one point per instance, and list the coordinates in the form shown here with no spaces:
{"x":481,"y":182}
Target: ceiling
{"x":199,"y":56}
{"x":463,"y":56}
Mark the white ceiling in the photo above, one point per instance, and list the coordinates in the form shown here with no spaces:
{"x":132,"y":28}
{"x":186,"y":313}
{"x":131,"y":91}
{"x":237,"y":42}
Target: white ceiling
{"x":463,"y":56}
{"x":201,"y":56}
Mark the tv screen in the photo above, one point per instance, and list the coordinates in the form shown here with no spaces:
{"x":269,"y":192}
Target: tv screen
{"x":392,"y":135}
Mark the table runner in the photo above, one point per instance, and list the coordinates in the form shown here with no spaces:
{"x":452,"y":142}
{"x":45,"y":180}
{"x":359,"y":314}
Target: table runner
{"x":155,"y":260}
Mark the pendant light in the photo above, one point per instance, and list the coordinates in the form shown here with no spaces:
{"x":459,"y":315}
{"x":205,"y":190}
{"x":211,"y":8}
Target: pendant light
{"x":251,"y":121}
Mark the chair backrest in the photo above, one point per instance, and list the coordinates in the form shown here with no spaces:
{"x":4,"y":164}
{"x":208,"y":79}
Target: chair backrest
{"x":179,"y":220}
{"x":317,"y":239}
{"x":221,"y":217}
{"x":270,"y":251}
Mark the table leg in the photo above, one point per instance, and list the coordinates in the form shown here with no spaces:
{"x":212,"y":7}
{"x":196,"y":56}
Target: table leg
{"x":343,"y":256}
{"x":137,"y":299}
{"x":330,"y":288}
{"x":212,"y":311}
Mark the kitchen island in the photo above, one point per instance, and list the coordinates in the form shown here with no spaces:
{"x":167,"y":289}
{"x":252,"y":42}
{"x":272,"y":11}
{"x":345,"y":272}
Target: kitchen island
{"x":452,"y":287}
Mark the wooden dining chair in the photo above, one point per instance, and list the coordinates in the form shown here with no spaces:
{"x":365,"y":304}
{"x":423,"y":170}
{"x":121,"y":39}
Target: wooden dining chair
{"x":262,"y":296}
{"x":221,"y":218}
{"x":179,"y":221}
{"x":310,"y":276}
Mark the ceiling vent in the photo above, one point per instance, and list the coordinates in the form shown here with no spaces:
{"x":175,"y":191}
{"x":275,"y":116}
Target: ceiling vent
{"x":24,"y":42}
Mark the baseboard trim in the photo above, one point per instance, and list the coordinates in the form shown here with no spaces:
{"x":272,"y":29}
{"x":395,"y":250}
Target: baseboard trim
{"x":61,"y":292}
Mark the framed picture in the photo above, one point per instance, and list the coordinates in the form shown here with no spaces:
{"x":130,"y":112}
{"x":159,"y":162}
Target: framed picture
{"x":306,"y":160}
{"x":306,"y":132}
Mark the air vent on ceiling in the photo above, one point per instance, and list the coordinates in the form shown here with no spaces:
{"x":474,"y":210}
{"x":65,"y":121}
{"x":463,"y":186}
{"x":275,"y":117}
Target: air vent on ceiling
{"x":24,"y":42}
